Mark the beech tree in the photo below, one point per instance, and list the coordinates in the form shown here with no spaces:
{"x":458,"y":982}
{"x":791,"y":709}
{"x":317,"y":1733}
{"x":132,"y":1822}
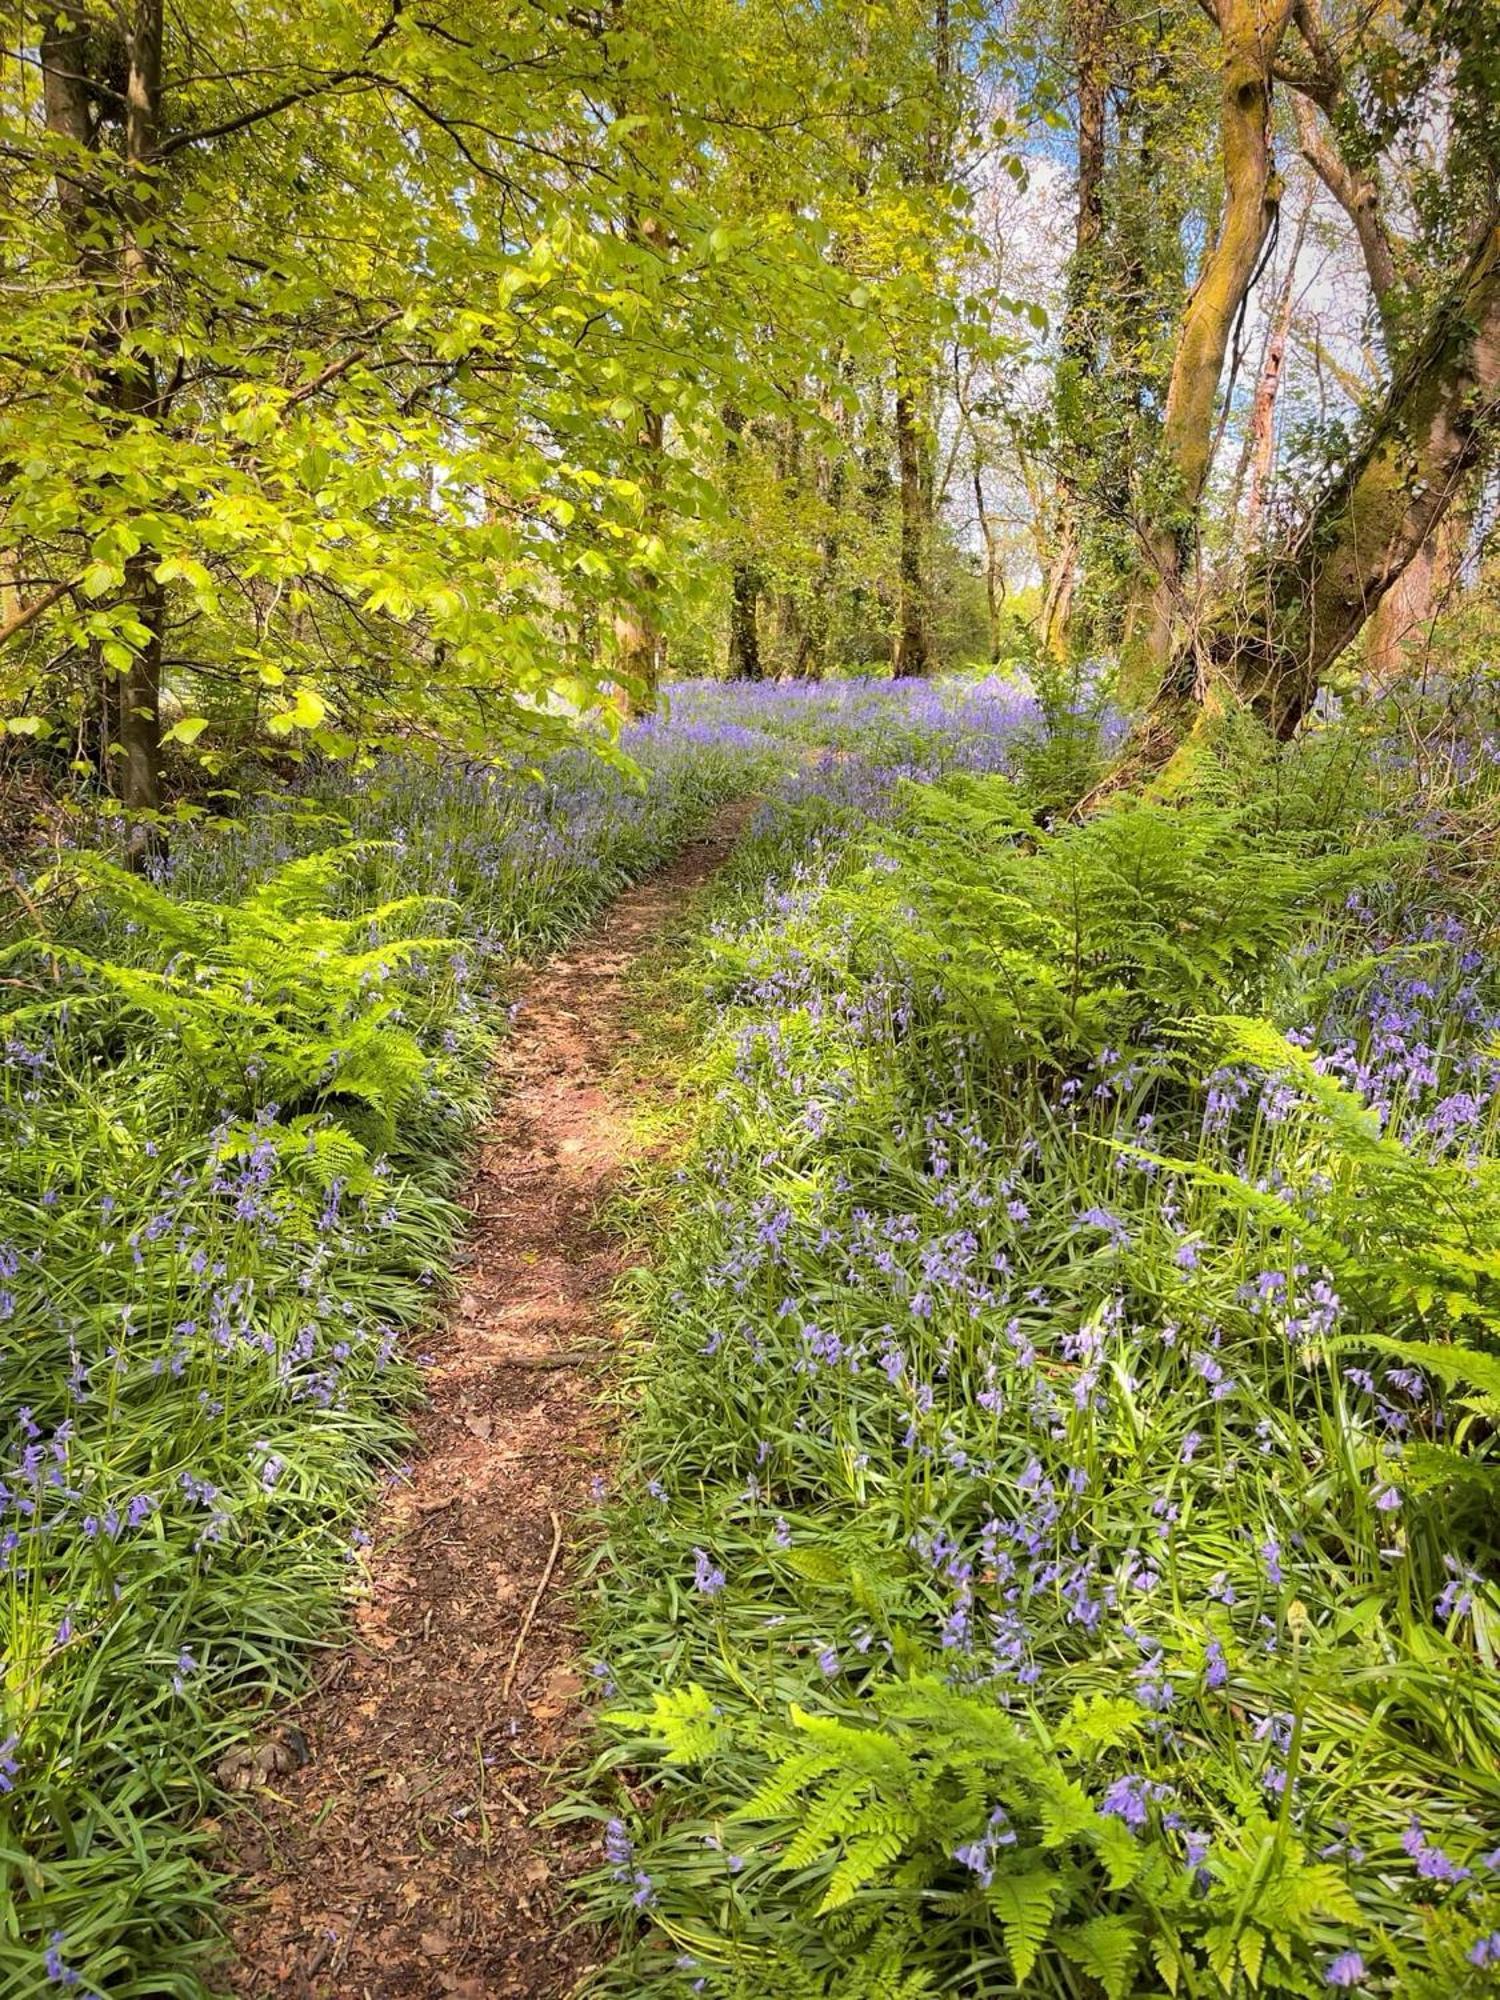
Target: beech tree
{"x":1276,"y":630}
{"x":365,"y":366}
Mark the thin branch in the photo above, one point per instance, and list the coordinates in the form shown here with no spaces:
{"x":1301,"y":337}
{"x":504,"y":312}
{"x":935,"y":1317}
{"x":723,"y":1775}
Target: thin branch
{"x":336,"y":368}
{"x":531,"y":1610}
{"x":259,"y":113}
{"x":29,"y":613}
{"x":228,"y":126}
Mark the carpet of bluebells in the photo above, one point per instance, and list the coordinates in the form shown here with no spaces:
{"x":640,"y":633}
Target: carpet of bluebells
{"x":235,"y":1104}
{"x":1058,"y":1541}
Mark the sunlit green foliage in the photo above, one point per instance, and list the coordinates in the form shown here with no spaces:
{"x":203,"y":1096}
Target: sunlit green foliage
{"x":232,"y":1111}
{"x":1056,"y":1547}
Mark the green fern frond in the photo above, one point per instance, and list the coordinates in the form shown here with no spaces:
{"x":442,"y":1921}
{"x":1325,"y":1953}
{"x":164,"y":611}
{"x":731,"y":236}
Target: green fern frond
{"x":865,"y":1857}
{"x":682,"y":1722}
{"x":1107,"y":1948}
{"x":1024,"y":1905}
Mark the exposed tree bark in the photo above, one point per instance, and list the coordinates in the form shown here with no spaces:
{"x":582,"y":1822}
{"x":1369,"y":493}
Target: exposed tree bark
{"x":1403,"y":617}
{"x":913,"y":647}
{"x":1310,"y":600}
{"x":994,"y":579}
{"x":1402,"y":625}
{"x":10,"y":596}
{"x":833,"y":481}
{"x":111,"y":244}
{"x":912,"y":656}
{"x":790,"y":642}
{"x":1260,"y":441}
{"x":1090,"y":22}
{"x":636,"y":627}
{"x":1062,"y":571}
{"x":1251,"y":32}
{"x":638,"y":645}
{"x":26,"y":614}
{"x":788,"y":634}
{"x":744,"y":582}
{"x":1358,"y":194}
{"x":744,"y":637}
{"x":136,"y":396}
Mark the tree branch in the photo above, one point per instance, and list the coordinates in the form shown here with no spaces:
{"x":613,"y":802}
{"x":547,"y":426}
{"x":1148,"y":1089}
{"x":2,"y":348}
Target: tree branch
{"x":29,"y":613}
{"x":259,"y":113}
{"x":229,"y":126}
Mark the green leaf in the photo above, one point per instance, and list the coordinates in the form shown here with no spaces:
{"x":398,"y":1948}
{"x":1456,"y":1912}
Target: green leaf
{"x":188,"y":730}
{"x":308,"y":711}
{"x":1066,"y":1810}
{"x":1252,"y":1953}
{"x":682,"y":1720}
{"x":1454,"y":1365}
{"x":1107,"y":1949}
{"x":1024,"y":1906}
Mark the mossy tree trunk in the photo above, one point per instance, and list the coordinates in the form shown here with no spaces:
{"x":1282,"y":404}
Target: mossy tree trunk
{"x":911,"y":624}
{"x":1089,"y":25}
{"x":1402,"y":620}
{"x":744,"y":582}
{"x":1251,"y":32}
{"x":87,"y":64}
{"x":1305,"y":603}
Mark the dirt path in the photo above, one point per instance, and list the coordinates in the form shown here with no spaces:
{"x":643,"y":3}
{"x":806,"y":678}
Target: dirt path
{"x":399,"y":1861}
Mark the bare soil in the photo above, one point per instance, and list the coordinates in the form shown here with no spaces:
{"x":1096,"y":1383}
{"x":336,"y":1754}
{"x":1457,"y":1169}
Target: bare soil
{"x":401,"y":1859}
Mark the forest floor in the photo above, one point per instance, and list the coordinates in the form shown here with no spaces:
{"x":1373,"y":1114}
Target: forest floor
{"x":401,"y":1859}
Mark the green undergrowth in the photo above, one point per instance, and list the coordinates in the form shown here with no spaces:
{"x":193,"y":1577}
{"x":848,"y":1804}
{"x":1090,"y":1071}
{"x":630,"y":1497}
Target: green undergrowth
{"x":1056,"y":1544}
{"x":234,"y":1109}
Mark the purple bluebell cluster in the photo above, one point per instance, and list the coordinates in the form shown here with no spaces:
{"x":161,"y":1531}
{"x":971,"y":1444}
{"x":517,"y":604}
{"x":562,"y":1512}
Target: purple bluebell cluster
{"x":206,"y":1269}
{"x":1065,"y":1382}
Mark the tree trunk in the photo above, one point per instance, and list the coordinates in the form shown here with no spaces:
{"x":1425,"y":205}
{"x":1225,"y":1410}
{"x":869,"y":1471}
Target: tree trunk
{"x":68,"y":109}
{"x":994,"y":580}
{"x":1311,"y":600}
{"x":788,"y":637}
{"x":1358,"y":194}
{"x":112,"y":249}
{"x":821,"y":621}
{"x":1090,"y":22}
{"x":913,"y":647}
{"x":140,"y":710}
{"x":1403,"y":617}
{"x":136,"y":397}
{"x":911,"y":655}
{"x":744,"y":583}
{"x":638,"y":644}
{"x":744,"y":638}
{"x":1251,"y":32}
{"x":1261,"y":441}
{"x":1062,"y":572}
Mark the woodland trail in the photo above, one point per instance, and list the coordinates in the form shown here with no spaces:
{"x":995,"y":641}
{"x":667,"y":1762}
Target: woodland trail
{"x":400,"y":1859}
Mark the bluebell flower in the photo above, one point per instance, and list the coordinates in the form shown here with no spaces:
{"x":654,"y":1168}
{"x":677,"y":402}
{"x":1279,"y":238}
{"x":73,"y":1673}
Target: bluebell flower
{"x":1347,"y":1970}
{"x":59,"y":1973}
{"x":1433,"y":1865}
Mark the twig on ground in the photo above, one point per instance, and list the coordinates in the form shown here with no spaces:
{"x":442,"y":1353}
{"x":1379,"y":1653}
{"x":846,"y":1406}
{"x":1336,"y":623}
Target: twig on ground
{"x":531,"y":1609}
